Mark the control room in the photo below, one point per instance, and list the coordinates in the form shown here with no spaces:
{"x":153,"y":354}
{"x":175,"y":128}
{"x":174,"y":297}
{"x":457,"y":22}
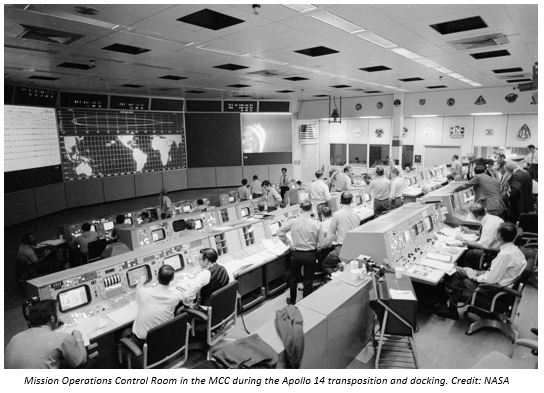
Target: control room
{"x":315,"y":186}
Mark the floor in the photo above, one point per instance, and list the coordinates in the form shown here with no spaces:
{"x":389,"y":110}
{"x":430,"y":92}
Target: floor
{"x":440,"y":343}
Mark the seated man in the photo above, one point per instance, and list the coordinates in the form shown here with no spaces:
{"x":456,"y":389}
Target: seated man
{"x":35,"y":258}
{"x":119,"y":224}
{"x":243,"y":191}
{"x":41,"y":346}
{"x":505,"y":269}
{"x":197,"y":291}
{"x":200,"y":206}
{"x":487,"y":236}
{"x":156,"y":304}
{"x":82,"y":241}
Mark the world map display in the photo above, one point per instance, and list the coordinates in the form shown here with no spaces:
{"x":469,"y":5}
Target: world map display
{"x":112,"y":143}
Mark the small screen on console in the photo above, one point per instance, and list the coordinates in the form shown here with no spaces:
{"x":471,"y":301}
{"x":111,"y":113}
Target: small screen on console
{"x":93,"y":228}
{"x":186,"y":209}
{"x":407,"y":235}
{"x":108,"y":225}
{"x":137,"y":275}
{"x":244,"y":212}
{"x":198,"y":224}
{"x":128,"y":220}
{"x":231,"y":199}
{"x":74,"y":298}
{"x":158,"y":234}
{"x":176,"y":261}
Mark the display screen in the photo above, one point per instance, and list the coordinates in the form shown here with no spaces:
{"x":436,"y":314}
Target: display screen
{"x":231,"y":199}
{"x":93,"y":228}
{"x":186,"y":209}
{"x":244,"y":211}
{"x":265,"y":133}
{"x":358,"y":200}
{"x":428,"y":223}
{"x":198,"y":224}
{"x":137,"y":275}
{"x":407,"y":235}
{"x":128,"y":220}
{"x":176,"y":261}
{"x":366,"y":197}
{"x":179,"y":225}
{"x":108,"y":225}
{"x":74,"y":298}
{"x":274,"y":227}
{"x":158,"y":234}
{"x":30,"y":138}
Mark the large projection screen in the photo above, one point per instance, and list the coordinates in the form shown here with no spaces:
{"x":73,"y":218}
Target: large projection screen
{"x":30,"y":138}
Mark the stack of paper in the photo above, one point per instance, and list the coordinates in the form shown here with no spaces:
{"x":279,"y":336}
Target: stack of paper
{"x":124,"y":314}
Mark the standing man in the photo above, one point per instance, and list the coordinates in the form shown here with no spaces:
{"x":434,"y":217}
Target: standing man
{"x":285,"y":180}
{"x":397,"y":188}
{"x":521,"y":191}
{"x":165,"y":204}
{"x":343,"y":220}
{"x":41,"y":346}
{"x":471,"y":166}
{"x":532,"y":162}
{"x":380,"y":189}
{"x":343,"y":180}
{"x":305,"y":232}
{"x":243,"y":191}
{"x":87,"y":236}
{"x":255,"y":188}
{"x":487,"y":190}
{"x":456,"y":168}
{"x":270,"y":198}
{"x":319,"y":193}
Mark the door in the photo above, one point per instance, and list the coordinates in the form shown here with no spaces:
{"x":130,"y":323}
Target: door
{"x":438,"y":155}
{"x":308,"y":161}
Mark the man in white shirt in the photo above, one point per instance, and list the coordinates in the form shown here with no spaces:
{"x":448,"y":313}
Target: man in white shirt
{"x":156,"y":304}
{"x":271,"y":198}
{"x":343,"y":180}
{"x":505,"y":269}
{"x":397,"y":188}
{"x":343,"y":220}
{"x":284,"y":183}
{"x":380,"y":188}
{"x":165,"y":204}
{"x":256,"y":188}
{"x":319,"y":193}
{"x":532,"y":162}
{"x":488,"y":237}
{"x":456,"y":168}
{"x":243,"y":191}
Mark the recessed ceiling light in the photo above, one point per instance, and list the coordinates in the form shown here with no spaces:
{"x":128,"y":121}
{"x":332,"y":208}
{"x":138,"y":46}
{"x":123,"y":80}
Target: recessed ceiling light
{"x":486,"y":114}
{"x":300,"y":7}
{"x":424,"y":115}
{"x":456,"y":76}
{"x":377,"y":40}
{"x":406,"y":53}
{"x":427,"y":62}
{"x":443,"y":70}
{"x":338,"y":22}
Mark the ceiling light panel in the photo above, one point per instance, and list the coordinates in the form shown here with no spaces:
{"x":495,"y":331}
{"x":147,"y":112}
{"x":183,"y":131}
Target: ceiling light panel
{"x":377,"y":40}
{"x":427,"y":62}
{"x":443,"y":70}
{"x":338,"y":22}
{"x":300,"y":7}
{"x":406,"y":53}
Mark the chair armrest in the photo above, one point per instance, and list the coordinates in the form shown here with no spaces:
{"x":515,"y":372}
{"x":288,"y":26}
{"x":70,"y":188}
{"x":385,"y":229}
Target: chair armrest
{"x":482,"y":288}
{"x":131,"y":346}
{"x":525,"y":342}
{"x":197,"y":313}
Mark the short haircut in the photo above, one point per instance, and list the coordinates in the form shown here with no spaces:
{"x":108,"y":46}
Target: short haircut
{"x":347,"y":169}
{"x":144,"y":215}
{"x":265,"y":183}
{"x":479,"y":169}
{"x":501,"y":155}
{"x":306,"y":206}
{"x":379,"y":171}
{"x":456,"y":156}
{"x":40,"y":313}
{"x":507,"y":231}
{"x":255,"y":177}
{"x":284,"y":169}
{"x":199,"y":201}
{"x":119,"y":219}
{"x":244,"y":182}
{"x":395,"y":171}
{"x":346,"y":198}
{"x":490,"y":161}
{"x":299,"y":182}
{"x":209,"y":254}
{"x":531,"y":146}
{"x":86,"y":227}
{"x":327,"y":212}
{"x":166,"y":274}
{"x":449,"y":176}
{"x":318,"y":174}
{"x":163,"y":191}
{"x":477,"y":209}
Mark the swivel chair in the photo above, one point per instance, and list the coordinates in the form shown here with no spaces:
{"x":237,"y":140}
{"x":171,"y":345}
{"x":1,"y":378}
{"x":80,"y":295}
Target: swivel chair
{"x":218,"y":318}
{"x":95,"y":249}
{"x":528,"y":223}
{"x":162,"y":346}
{"x":496,"y":305}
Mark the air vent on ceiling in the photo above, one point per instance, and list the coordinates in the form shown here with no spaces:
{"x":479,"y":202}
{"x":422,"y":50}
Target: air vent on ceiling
{"x":483,"y":41}
{"x":308,"y":132}
{"x":514,"y":76}
{"x":48,"y":35}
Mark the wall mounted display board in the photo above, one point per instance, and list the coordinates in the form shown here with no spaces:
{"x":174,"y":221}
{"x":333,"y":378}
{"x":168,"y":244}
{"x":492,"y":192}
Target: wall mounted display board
{"x":239,"y":106}
{"x":165,"y":104}
{"x":130,"y":103}
{"x":35,"y":96}
{"x":274,"y":106}
{"x":83,"y":100}
{"x":203,"y":106}
{"x":99,"y":143}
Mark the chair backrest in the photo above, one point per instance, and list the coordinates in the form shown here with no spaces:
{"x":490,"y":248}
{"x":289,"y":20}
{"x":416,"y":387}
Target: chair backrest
{"x":223,"y":308}
{"x":528,"y":222}
{"x":166,"y":341}
{"x":531,"y":256}
{"x":95,"y":249}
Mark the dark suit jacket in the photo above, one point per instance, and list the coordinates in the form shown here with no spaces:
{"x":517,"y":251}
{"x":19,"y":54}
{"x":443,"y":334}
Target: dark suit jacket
{"x":487,"y":190}
{"x":521,"y":192}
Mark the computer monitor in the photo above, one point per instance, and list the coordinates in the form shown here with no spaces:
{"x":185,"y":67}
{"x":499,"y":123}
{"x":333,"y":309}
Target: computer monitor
{"x":137,"y":275}
{"x":232,"y":199}
{"x":128,"y":220}
{"x":158,"y":234}
{"x":244,"y":212}
{"x":108,"y":225}
{"x":93,"y":228}
{"x":176,"y":261}
{"x":186,"y":209}
{"x":179,"y":225}
{"x":198,"y":223}
{"x":73,"y":298}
